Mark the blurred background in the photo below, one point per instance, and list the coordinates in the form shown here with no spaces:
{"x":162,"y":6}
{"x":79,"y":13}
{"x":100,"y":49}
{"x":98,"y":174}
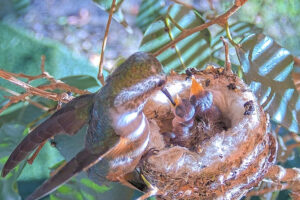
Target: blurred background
{"x":81,"y":25}
{"x":70,"y":33}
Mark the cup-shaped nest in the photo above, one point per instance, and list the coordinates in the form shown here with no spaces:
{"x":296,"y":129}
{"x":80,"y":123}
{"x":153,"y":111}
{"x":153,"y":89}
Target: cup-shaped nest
{"x":227,"y":162}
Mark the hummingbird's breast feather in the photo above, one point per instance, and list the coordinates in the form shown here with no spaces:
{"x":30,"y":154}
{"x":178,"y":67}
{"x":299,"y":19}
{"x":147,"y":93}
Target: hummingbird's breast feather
{"x":133,"y":128}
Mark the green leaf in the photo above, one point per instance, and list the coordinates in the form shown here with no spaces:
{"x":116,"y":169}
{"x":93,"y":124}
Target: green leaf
{"x":118,"y":14}
{"x":13,"y":8}
{"x":11,"y":134}
{"x":238,"y":31}
{"x":149,"y":12}
{"x":81,"y":187}
{"x":68,"y":191}
{"x":82,"y":82}
{"x":90,"y":184}
{"x":8,"y":189}
{"x":193,"y":51}
{"x":21,"y":53}
{"x":267,"y":69}
{"x":22,"y":114}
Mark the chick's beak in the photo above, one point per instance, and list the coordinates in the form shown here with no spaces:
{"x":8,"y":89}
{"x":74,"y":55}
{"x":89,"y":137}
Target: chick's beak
{"x":196,"y":88}
{"x":177,"y":100}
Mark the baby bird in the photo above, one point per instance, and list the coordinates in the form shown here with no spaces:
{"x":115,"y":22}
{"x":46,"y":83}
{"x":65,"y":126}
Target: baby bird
{"x":195,"y":119}
{"x":205,"y":109}
{"x":183,"y":121}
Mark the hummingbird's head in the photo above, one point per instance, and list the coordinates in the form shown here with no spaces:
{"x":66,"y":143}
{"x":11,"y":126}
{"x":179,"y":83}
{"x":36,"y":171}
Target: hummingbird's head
{"x":136,"y":79}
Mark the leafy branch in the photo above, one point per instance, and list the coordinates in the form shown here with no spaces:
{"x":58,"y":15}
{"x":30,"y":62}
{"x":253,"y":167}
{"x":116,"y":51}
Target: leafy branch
{"x":221,"y":20}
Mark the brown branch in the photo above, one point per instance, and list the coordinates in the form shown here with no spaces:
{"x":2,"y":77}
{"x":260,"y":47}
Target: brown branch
{"x":31,"y":78}
{"x":37,"y":151}
{"x":279,"y":174}
{"x":100,"y":72}
{"x":221,"y":20}
{"x":211,"y":5}
{"x":189,"y":6}
{"x":297,"y":61}
{"x":17,"y":97}
{"x":37,"y":91}
{"x":295,"y":136}
{"x":266,"y":190}
{"x":62,"y":85}
{"x":284,"y":154}
{"x":296,"y":80}
{"x":227,"y":58}
{"x":30,"y":89}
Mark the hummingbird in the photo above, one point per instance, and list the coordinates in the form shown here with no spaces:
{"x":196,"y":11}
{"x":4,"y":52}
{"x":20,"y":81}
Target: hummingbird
{"x":205,"y":109}
{"x":118,"y":131}
{"x":182,"y":122}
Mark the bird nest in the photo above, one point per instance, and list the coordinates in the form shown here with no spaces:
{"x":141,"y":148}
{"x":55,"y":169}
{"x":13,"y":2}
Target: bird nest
{"x":222,"y":162}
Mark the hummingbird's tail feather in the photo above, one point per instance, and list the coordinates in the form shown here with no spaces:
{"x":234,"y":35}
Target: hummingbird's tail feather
{"x":82,"y":161}
{"x":68,"y":119}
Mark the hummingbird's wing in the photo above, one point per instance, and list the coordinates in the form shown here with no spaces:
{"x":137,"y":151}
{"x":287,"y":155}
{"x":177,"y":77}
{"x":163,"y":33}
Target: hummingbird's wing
{"x":69,"y":119}
{"x":85,"y":159}
{"x":81,"y":161}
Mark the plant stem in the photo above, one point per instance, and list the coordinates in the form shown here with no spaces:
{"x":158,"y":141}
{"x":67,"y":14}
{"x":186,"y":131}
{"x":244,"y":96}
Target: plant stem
{"x":100,"y":72}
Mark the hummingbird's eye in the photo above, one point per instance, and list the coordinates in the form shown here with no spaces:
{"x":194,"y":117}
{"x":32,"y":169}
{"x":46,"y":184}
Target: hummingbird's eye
{"x":193,"y":100}
{"x":161,"y":83}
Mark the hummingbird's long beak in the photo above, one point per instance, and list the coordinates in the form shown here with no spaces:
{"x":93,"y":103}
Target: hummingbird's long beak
{"x":168,"y":95}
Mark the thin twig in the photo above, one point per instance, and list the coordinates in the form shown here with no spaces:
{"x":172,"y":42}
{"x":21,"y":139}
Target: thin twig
{"x":296,"y":76}
{"x":61,"y":85}
{"x":174,"y":22}
{"x":211,"y":5}
{"x":295,"y":136}
{"x":37,"y":151}
{"x":100,"y":72}
{"x":30,"y":89}
{"x":36,"y":104}
{"x":37,"y":91}
{"x":189,"y":6}
{"x":227,"y":58}
{"x":297,"y":61}
{"x":221,"y":20}
{"x":149,"y":194}
{"x":228,"y":34}
{"x":273,"y":188}
{"x":172,"y":38}
{"x":31,"y":78}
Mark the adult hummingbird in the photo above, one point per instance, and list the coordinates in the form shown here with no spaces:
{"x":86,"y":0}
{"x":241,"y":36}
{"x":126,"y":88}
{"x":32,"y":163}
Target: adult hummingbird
{"x":118,"y":131}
